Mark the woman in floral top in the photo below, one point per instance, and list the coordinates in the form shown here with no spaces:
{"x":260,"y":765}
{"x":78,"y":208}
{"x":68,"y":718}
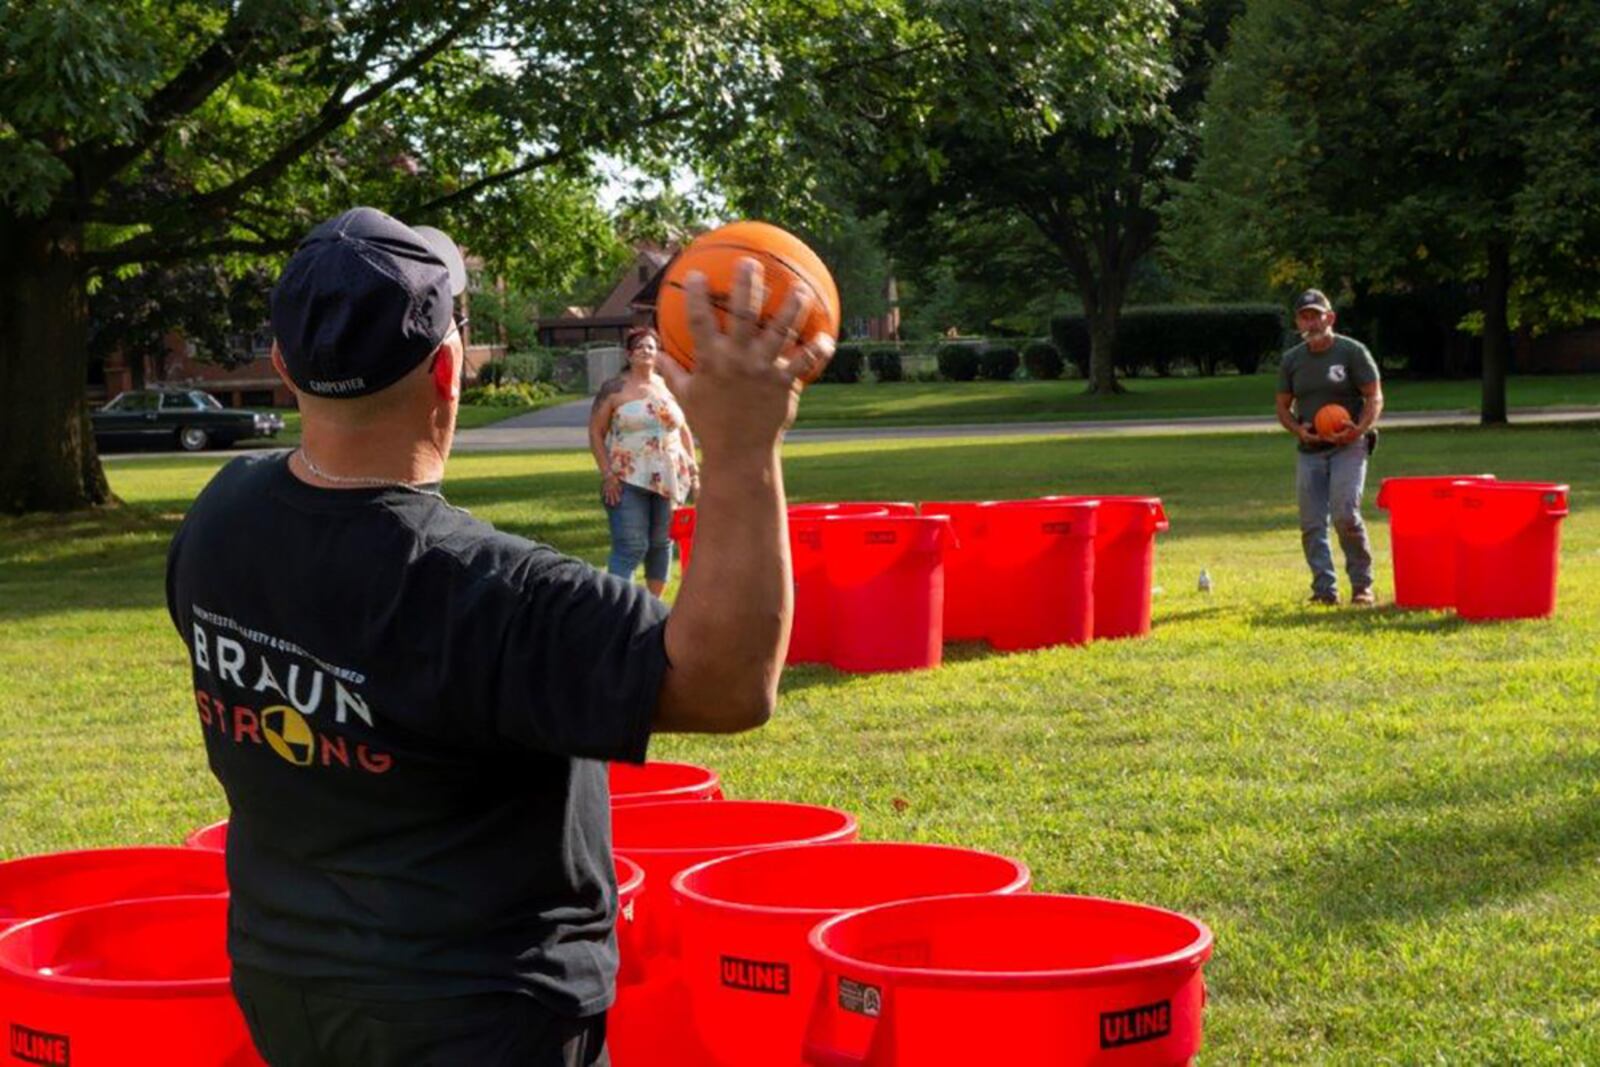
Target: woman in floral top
{"x":646,"y":456}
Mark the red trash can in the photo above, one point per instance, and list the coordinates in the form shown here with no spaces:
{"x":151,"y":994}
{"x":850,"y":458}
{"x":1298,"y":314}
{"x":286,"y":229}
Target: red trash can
{"x":1016,"y":979}
{"x":1124,"y":561}
{"x":649,"y":1024}
{"x":34,"y":886}
{"x":1040,"y":564}
{"x":1509,"y":546}
{"x":808,"y":631}
{"x":646,"y":783}
{"x":631,"y":951}
{"x":886,"y":591}
{"x":966,"y":588}
{"x":750,"y":975}
{"x":1422,"y":537}
{"x":212,"y":838}
{"x":131,"y":982}
{"x":682,"y":533}
{"x":853,"y":507}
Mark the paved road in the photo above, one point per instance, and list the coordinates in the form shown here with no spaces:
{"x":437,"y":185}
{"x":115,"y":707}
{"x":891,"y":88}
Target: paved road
{"x":565,"y":427}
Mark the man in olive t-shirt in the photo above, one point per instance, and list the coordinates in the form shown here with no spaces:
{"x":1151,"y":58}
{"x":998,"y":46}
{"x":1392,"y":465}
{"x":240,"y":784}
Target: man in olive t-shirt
{"x":1327,"y":368}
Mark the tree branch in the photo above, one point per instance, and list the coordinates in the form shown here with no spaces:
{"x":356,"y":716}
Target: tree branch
{"x":829,"y":73}
{"x":333,"y":114}
{"x":149,"y":249}
{"x":96,"y":163}
{"x":418,"y":212}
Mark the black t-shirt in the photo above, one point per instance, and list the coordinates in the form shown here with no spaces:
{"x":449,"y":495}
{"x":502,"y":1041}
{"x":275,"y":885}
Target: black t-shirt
{"x":408,"y":710}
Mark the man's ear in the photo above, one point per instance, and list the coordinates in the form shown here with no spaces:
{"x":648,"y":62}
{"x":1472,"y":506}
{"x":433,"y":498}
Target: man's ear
{"x":277,"y":365}
{"x":446,"y":374}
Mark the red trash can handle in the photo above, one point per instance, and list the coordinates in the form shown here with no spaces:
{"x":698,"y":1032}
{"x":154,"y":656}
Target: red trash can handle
{"x":1159,"y":516}
{"x":1555,"y":504}
{"x":1383,"y":491}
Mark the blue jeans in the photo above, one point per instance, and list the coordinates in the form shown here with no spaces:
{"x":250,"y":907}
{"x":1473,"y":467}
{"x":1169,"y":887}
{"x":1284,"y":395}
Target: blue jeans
{"x":1329,"y":484}
{"x":639,"y":530}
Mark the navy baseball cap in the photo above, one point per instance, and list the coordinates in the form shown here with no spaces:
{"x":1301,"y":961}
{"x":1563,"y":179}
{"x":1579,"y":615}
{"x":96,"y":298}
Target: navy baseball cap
{"x":1311,"y":298}
{"x":363,"y":300}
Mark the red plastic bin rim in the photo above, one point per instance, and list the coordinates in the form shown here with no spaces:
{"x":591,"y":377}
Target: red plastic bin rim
{"x":847,"y":826}
{"x":835,"y":506}
{"x":1090,"y":503}
{"x":1114,"y":498}
{"x":118,"y":988}
{"x":703,"y":777}
{"x":630,"y":876}
{"x":1422,"y":480}
{"x":1190,"y":956}
{"x":1415,"y":483}
{"x":682,"y":881}
{"x":197,"y":839}
{"x":1517,"y":487}
{"x":67,"y":858}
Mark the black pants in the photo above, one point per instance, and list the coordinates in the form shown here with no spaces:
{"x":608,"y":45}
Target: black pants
{"x":296,"y":1026}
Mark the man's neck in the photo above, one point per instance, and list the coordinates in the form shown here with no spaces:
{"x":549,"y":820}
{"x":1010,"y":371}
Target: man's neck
{"x":341,"y":460}
{"x":1320,"y":342}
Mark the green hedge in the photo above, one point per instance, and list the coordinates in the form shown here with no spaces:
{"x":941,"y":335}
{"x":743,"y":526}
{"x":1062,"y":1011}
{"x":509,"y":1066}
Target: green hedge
{"x":1043,"y":361}
{"x":1163,"y":339}
{"x":845,"y":367}
{"x":998,"y":363}
{"x":886,"y":365}
{"x":508,"y":395}
{"x":958,"y":363}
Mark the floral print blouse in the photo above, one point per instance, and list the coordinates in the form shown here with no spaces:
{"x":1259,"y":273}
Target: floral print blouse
{"x":645,"y":443}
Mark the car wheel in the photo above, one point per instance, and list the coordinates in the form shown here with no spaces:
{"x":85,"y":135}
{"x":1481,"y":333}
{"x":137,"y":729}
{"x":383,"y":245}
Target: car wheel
{"x":193,"y":439}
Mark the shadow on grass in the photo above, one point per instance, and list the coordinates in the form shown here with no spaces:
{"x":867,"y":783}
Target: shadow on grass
{"x":1446,"y":855}
{"x":1346,"y":619}
{"x":113,"y":559}
{"x":1162,"y":619}
{"x":820,"y":675}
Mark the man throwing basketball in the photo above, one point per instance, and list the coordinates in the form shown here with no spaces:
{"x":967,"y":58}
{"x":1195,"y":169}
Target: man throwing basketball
{"x":410,"y":711}
{"x":1328,"y":368}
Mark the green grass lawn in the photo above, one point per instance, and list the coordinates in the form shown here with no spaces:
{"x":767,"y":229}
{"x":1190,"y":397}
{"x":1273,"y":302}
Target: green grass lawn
{"x":469,"y":417}
{"x":949,"y":403}
{"x":1390,"y":819}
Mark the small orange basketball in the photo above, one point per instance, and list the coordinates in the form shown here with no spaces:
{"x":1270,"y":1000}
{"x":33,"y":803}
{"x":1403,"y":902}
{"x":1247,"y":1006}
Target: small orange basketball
{"x":785,"y":261}
{"x":1330,"y":419}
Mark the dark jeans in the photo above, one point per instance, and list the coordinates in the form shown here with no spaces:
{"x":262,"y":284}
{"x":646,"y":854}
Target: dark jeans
{"x":293,"y":1025}
{"x":641,"y":525}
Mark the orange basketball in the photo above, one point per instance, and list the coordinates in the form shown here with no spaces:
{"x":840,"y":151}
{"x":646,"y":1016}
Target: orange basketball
{"x":785,"y":263}
{"x":1330,"y":419}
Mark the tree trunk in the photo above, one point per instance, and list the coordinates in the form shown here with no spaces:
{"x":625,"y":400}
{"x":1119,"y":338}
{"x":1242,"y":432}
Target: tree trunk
{"x":1496,"y":334}
{"x":48,"y":460}
{"x":1103,"y":308}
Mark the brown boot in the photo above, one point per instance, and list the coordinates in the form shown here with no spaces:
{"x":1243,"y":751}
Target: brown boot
{"x":1363,"y":597}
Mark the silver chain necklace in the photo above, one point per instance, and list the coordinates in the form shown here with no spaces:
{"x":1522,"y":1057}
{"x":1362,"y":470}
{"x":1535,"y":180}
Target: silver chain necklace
{"x":362,"y":481}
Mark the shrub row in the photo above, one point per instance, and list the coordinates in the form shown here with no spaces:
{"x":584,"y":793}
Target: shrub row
{"x":508,"y":394}
{"x":1157,"y":339}
{"x":962,"y":361}
{"x":1164,"y":338}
